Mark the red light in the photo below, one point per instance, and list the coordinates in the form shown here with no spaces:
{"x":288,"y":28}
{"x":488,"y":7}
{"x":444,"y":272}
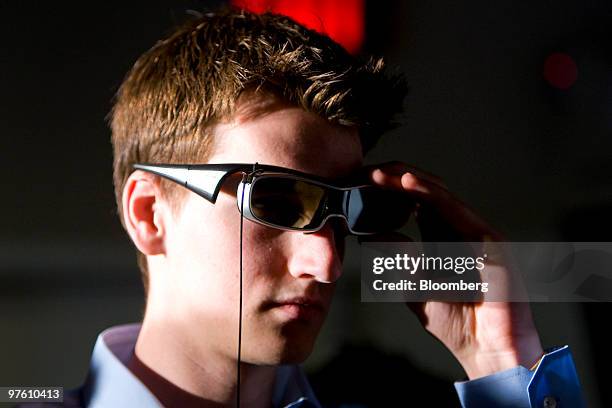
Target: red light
{"x":560,"y":70}
{"x":342,"y":20}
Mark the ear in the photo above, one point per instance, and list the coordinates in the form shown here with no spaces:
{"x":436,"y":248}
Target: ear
{"x":144,"y":212}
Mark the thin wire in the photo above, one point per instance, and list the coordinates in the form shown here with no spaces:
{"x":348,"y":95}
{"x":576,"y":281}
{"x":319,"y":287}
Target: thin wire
{"x":240,"y":305}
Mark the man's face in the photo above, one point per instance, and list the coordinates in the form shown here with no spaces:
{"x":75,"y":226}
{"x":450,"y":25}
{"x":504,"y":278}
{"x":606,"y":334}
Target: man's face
{"x":281,"y":269}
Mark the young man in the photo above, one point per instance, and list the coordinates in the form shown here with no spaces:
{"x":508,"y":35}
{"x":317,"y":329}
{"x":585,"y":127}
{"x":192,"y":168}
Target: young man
{"x":233,"y":87}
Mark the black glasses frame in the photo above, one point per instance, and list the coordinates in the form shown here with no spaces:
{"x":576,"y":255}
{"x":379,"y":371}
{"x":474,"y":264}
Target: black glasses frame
{"x":206,"y":181}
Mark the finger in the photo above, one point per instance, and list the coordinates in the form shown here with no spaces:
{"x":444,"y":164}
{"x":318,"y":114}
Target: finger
{"x":452,"y":220}
{"x":398,"y":181}
{"x":424,"y":189}
{"x":460,"y":220}
{"x":438,"y":202}
{"x":397,"y":168}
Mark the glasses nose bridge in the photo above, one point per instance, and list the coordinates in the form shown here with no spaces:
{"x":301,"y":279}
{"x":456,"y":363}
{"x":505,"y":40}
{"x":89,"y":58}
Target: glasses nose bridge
{"x":325,"y":221}
{"x":336,"y":202}
{"x":335,"y":205}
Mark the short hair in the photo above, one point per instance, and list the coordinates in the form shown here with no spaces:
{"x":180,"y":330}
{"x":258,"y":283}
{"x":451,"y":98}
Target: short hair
{"x":175,"y":92}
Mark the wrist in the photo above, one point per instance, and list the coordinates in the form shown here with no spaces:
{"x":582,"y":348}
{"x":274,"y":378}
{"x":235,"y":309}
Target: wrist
{"x":480,"y":363}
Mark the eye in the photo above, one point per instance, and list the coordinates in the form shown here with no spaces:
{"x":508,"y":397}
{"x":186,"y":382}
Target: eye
{"x":286,"y":201}
{"x":281,"y":209}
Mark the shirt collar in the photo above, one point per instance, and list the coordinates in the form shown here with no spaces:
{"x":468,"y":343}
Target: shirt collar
{"x":111,"y":384}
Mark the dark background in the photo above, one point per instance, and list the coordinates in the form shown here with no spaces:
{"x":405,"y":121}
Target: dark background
{"x":532,"y":159}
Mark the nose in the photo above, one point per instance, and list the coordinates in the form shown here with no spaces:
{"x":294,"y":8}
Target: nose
{"x":316,"y":255}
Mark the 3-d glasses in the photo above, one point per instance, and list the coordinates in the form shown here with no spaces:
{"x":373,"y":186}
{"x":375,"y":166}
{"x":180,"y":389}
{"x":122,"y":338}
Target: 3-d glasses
{"x":286,"y":199}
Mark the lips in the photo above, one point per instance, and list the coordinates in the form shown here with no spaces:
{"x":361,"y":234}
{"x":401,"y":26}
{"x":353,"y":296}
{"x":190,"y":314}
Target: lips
{"x":297,"y":308}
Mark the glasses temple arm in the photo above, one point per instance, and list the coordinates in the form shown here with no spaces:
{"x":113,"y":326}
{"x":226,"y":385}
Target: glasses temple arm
{"x":204,"y":182}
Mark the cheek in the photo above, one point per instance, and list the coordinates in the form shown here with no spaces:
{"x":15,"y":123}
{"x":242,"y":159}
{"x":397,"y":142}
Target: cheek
{"x":264,"y":256}
{"x":203,"y":253}
{"x":206,"y":257}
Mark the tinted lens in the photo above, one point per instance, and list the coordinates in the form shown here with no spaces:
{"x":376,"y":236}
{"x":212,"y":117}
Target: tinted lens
{"x":286,"y":202}
{"x":374,"y":210}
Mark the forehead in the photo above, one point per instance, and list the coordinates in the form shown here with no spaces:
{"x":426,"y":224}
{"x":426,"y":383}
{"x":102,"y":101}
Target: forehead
{"x":290,"y":137}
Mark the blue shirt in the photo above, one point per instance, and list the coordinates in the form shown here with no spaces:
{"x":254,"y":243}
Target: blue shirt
{"x":111,"y":384}
{"x":553,"y":383}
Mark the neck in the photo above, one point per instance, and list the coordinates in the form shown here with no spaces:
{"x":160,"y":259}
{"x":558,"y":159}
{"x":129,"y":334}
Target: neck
{"x":200,"y":370}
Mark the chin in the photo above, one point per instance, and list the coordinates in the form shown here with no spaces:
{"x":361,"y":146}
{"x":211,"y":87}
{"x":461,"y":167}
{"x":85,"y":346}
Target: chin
{"x":294,"y":348}
{"x":295,"y":355}
{"x":298,"y":343}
